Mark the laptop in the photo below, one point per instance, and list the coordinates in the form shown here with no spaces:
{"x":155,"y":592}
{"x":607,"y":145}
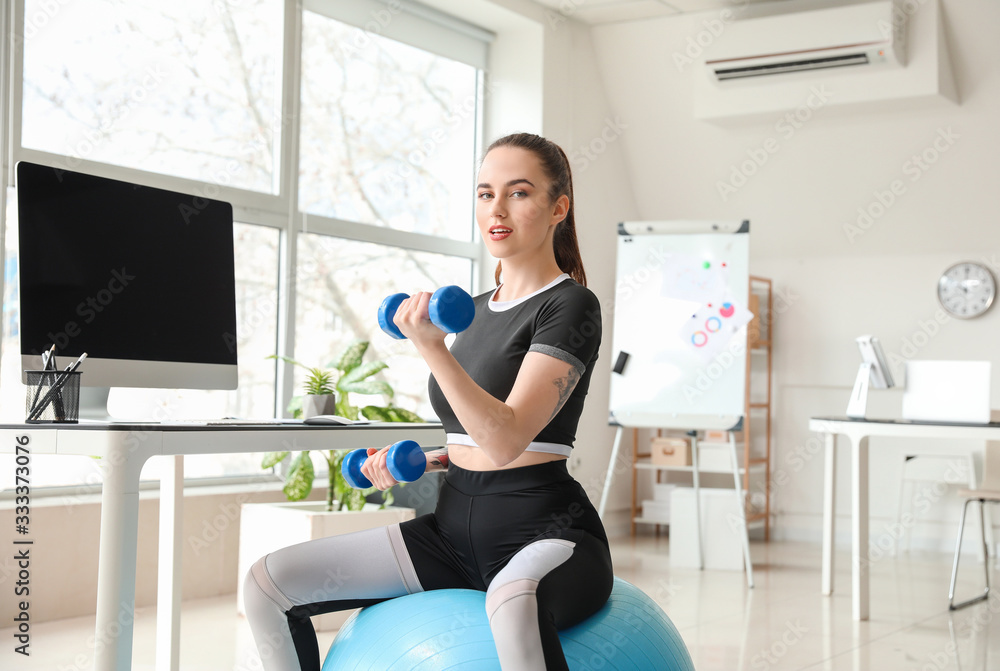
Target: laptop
{"x":947,"y":391}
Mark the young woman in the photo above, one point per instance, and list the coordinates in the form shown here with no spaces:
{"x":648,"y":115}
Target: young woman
{"x":510,"y":520}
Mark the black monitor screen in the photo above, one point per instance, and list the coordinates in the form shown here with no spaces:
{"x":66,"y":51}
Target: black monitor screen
{"x":124,"y":272}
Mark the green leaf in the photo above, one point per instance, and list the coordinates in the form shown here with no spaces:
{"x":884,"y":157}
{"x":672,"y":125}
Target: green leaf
{"x":405,"y":415}
{"x":344,"y":407}
{"x":295,"y":407}
{"x":361,"y":372}
{"x":319,"y":382}
{"x":377,"y":413}
{"x":272,"y":459}
{"x":352,"y":356}
{"x":300,"y":477}
{"x":391,"y":413}
{"x":370,"y":387}
{"x":355,"y":499}
{"x":286,"y":360}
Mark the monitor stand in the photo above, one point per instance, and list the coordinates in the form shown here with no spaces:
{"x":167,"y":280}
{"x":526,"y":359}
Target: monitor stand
{"x":94,"y":403}
{"x":858,"y":405}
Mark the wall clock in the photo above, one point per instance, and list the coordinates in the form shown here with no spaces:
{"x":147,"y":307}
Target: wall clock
{"x":967,"y":289}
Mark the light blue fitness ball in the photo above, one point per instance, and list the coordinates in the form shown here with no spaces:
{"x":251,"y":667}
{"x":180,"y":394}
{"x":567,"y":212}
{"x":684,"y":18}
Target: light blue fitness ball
{"x":448,"y":629}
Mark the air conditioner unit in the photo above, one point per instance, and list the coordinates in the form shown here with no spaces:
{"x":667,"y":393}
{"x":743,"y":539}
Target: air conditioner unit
{"x":767,"y":65}
{"x":853,"y":36}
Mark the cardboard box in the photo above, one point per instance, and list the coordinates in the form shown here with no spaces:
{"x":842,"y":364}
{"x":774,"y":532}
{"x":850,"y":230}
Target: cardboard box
{"x":670,"y":451}
{"x":716,"y":436}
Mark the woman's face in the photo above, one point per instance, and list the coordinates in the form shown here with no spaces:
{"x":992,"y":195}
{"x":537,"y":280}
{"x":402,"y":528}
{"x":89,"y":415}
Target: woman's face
{"x":513,"y":210}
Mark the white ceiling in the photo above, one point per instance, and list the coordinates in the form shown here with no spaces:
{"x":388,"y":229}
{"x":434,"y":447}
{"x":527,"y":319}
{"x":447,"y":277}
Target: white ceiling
{"x":611,"y":11}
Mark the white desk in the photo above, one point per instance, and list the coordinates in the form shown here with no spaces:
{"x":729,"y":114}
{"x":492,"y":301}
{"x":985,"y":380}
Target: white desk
{"x":123,"y":449}
{"x":857,"y":433}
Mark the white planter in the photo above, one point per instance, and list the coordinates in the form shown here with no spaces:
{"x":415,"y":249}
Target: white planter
{"x":266,"y":527}
{"x":313,"y":405}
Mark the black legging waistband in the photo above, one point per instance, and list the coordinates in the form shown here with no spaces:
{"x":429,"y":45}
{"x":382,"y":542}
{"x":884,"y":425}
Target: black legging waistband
{"x":506,"y":480}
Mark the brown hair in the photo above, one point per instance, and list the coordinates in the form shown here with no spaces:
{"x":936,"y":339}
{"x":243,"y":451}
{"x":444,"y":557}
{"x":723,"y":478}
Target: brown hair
{"x":556,"y":168}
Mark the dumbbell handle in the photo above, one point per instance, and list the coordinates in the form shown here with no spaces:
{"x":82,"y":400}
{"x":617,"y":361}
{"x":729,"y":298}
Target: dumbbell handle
{"x":406,"y":462}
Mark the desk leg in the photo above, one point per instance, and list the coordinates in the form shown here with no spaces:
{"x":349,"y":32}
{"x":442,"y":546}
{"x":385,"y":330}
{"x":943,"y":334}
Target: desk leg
{"x":859,"y":527}
{"x":829,"y":510}
{"x":168,"y":591}
{"x":118,"y":548}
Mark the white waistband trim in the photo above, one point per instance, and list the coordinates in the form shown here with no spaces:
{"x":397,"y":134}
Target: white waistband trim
{"x":533,"y":446}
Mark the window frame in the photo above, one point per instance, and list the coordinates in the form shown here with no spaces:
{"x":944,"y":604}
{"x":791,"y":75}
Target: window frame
{"x":280,"y":210}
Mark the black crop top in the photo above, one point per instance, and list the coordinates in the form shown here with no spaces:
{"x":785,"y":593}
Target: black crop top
{"x":562,"y":320}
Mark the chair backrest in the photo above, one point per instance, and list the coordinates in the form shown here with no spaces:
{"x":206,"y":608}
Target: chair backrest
{"x":991,"y":467}
{"x":991,"y":460}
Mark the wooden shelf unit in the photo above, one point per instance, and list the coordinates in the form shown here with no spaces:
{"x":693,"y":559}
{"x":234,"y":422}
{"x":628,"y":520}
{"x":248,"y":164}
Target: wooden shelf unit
{"x":760,"y":336}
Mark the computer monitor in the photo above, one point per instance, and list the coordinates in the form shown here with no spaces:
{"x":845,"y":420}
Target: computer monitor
{"x":874,"y":372}
{"x":139,"y":278}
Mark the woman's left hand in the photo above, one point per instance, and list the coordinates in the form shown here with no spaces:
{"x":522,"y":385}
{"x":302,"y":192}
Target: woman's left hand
{"x":413,"y":320}
{"x":376,"y":469}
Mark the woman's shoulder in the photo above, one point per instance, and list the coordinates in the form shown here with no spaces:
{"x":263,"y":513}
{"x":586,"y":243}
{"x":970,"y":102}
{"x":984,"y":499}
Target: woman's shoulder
{"x":569,"y":291}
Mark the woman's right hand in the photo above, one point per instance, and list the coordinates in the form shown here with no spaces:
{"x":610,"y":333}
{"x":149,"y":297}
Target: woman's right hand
{"x":376,"y":470}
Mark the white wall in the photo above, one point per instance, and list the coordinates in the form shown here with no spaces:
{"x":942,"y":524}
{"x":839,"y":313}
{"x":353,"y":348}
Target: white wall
{"x":833,"y":284}
{"x":580,"y":118}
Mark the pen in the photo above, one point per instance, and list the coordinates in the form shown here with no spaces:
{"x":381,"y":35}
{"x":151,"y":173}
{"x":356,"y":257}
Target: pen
{"x":48,"y":362}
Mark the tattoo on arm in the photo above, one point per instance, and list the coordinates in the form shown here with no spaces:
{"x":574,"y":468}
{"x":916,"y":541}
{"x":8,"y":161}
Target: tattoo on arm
{"x":437,"y":460}
{"x":565,"y":385}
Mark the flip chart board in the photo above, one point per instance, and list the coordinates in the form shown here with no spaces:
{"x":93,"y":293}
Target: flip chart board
{"x":680,"y":324}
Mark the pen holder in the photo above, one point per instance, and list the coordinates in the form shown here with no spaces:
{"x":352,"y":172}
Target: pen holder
{"x":53,"y":397}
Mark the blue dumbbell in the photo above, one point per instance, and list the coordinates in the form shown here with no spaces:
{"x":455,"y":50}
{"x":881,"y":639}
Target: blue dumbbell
{"x":405,"y":460}
{"x":451,"y":310}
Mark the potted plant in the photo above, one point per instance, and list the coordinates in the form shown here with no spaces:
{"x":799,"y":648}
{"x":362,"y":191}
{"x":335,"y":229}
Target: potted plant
{"x":353,"y":377}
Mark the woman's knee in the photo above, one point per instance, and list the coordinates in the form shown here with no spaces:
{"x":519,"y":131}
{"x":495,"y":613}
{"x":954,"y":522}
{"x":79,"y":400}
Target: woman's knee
{"x":258,"y":584}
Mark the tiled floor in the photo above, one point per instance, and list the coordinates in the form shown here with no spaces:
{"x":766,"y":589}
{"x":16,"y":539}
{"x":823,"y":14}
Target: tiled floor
{"x":783,"y":623}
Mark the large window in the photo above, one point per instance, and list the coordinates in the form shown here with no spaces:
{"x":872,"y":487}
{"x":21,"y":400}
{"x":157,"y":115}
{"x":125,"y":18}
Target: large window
{"x":388,"y":132}
{"x":344,"y":133}
{"x":186,"y":87}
